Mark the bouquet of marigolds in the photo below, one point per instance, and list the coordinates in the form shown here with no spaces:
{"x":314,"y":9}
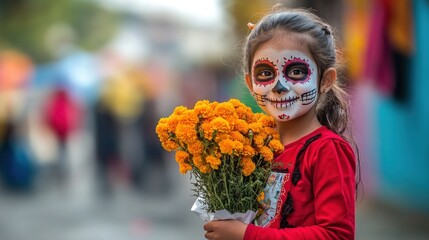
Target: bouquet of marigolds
{"x":228,"y":151}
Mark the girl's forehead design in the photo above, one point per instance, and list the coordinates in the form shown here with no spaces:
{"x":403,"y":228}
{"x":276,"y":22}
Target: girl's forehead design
{"x":280,"y":56}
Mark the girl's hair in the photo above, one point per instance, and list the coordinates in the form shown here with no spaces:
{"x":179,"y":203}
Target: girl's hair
{"x":332,"y":108}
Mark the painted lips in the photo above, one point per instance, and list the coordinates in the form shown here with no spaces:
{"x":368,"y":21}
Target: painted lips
{"x":283,"y":103}
{"x":283,"y":116}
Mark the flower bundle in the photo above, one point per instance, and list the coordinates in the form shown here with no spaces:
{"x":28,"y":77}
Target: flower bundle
{"x":226,"y":147}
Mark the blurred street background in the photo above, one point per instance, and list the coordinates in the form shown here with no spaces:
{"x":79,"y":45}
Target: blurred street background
{"x":84,"y":82}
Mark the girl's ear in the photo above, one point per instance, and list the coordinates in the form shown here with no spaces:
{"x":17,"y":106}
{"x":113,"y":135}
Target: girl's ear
{"x":328,"y":80}
{"x":248,"y":81}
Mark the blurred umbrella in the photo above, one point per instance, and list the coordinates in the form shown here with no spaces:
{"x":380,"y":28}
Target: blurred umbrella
{"x":79,"y":73}
{"x":15,"y":70}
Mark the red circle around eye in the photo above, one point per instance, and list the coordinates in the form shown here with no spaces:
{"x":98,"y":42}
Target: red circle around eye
{"x":294,"y":61}
{"x":266,"y":62}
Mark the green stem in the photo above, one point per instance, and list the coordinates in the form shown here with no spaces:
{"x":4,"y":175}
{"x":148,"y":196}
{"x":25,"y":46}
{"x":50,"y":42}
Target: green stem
{"x":217,"y":197}
{"x":226,"y":189}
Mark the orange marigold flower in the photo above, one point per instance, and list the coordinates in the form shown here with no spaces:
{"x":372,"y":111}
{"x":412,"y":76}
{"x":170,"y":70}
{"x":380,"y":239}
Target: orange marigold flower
{"x":169,"y":145}
{"x":224,"y":110}
{"x":261,"y":196}
{"x":252,"y":118}
{"x":162,"y":120}
{"x":207,"y":130}
{"x":237,"y":136}
{"x":179,"y":110}
{"x":186,"y":133}
{"x":241,"y":126}
{"x":201,"y":164}
{"x":259,"y":211}
{"x":196,"y":147}
{"x":162,"y":130}
{"x":266,"y":153}
{"x":172,"y":122}
{"x":184,"y":168}
{"x":248,"y":166}
{"x":236,"y":103}
{"x":276,"y":136}
{"x":203,"y":109}
{"x":266,"y":121}
{"x":232,"y":121}
{"x":276,"y":145}
{"x":221,"y":136}
{"x":202,"y":104}
{"x":213,"y":105}
{"x":189,"y":117}
{"x":270,"y":130}
{"x":237,"y":147}
{"x":226,"y":146}
{"x":181,"y":156}
{"x":248,"y":151}
{"x":197,"y":160}
{"x":220,"y":125}
{"x":255,"y":127}
{"x":259,"y":140}
{"x":213,"y":161}
{"x":205,"y":168}
{"x":244,"y":113}
{"x":162,"y":123}
{"x":216,"y":152}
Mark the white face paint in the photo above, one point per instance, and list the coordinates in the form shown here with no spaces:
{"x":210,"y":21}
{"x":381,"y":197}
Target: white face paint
{"x":284,"y":82}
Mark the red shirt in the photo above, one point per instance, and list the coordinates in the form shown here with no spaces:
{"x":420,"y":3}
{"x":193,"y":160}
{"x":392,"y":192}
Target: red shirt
{"x":323,"y":199}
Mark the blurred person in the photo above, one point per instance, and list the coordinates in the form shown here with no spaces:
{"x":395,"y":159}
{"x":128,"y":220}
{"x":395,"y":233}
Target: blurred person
{"x":290,"y":67}
{"x":17,"y":167}
{"x":154,"y":176}
{"x":106,"y":145}
{"x":162,"y":87}
{"x":118,"y":131}
{"x":63,"y":116}
{"x":390,"y":48}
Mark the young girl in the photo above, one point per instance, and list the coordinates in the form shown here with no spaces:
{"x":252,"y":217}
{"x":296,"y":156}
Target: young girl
{"x":290,"y":59}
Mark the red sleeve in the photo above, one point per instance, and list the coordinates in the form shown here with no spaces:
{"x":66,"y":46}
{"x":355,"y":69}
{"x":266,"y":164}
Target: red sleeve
{"x":334,"y":198}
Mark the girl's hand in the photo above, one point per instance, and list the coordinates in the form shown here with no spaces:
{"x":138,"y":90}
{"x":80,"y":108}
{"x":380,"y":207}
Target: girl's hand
{"x":225,"y":230}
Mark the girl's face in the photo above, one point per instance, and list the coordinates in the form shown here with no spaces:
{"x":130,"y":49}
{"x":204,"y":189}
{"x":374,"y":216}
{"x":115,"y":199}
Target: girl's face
{"x":284,"y":78}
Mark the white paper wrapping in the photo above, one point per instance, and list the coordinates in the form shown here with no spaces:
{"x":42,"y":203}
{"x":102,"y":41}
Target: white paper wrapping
{"x":200,"y":209}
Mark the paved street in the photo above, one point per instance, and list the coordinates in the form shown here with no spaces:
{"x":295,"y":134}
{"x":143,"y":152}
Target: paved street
{"x":75,"y":211}
{"x":58,"y":214}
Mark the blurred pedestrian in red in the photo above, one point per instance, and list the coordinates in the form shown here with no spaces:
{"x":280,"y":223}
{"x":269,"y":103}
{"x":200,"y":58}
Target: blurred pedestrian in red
{"x":63,"y":116}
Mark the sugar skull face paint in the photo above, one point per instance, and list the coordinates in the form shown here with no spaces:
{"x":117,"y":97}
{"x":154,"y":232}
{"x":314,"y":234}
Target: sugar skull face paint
{"x":284,"y":82}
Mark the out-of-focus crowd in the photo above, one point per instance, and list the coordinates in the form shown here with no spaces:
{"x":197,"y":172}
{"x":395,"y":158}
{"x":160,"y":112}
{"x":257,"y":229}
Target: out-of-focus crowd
{"x":110,"y":98}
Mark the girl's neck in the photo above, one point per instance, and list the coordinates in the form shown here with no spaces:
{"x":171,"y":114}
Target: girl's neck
{"x":297,"y":128}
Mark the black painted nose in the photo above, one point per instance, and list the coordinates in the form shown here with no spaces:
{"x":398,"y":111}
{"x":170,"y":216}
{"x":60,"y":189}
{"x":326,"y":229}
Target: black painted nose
{"x":279,"y":88}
